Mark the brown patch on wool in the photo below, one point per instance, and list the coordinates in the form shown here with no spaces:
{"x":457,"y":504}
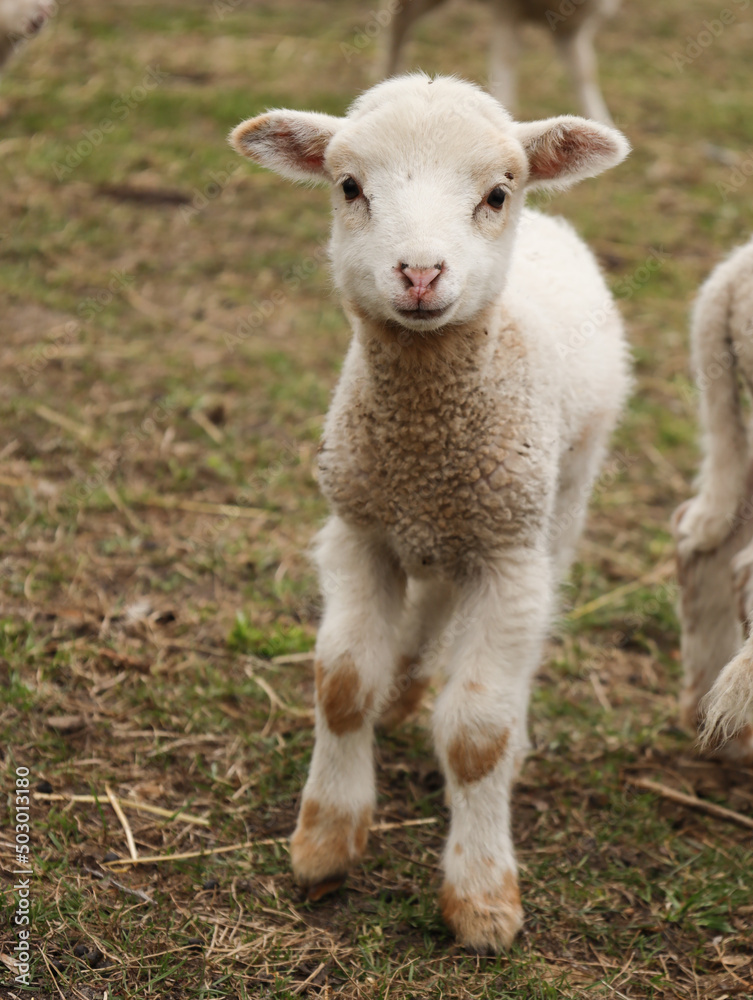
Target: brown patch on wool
{"x":327,"y":842}
{"x":472,"y":759}
{"x":485,"y":921}
{"x":411,"y":688}
{"x":338,"y":692}
{"x":458,"y":848}
{"x":474,"y":687}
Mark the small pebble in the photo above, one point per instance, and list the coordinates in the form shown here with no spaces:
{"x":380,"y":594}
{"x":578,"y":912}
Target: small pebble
{"x":110,"y":856}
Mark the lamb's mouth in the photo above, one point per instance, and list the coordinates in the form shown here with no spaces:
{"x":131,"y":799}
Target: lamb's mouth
{"x":420,"y":313}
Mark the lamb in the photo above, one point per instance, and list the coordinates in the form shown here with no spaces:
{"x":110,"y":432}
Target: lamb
{"x":573,"y":26}
{"x":19,"y":20}
{"x":486,"y":372}
{"x":714,"y":530}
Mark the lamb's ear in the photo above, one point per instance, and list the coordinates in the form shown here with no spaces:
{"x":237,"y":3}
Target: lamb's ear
{"x":291,"y":142}
{"x":562,"y":151}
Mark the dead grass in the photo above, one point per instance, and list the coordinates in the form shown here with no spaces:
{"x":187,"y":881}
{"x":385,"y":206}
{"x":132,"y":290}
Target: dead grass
{"x":161,"y":407}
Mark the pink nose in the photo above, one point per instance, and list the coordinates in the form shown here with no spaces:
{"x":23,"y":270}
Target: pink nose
{"x":420,"y":279}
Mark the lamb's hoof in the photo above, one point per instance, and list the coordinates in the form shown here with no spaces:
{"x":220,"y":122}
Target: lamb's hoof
{"x":319,"y":890}
{"x":484,"y":922}
{"x":326,"y":844}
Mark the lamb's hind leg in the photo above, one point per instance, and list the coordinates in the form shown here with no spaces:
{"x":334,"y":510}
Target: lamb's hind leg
{"x":727,"y":710}
{"x":422,"y":645}
{"x":479,"y":729}
{"x":712,"y":599}
{"x":355,"y":650}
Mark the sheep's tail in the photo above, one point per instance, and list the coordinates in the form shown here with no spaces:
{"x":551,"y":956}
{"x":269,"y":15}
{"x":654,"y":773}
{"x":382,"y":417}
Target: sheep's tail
{"x":715,"y":366}
{"x":727,"y":707}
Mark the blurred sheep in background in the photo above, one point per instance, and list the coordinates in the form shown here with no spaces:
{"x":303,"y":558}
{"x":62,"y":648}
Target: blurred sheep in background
{"x":19,"y":21}
{"x":573,"y":24}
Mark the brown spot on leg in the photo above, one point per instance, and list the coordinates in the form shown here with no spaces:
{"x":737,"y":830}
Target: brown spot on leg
{"x":327,"y":842}
{"x":486,"y":921}
{"x":339,"y":693}
{"x":405,"y":693}
{"x":472,"y":757}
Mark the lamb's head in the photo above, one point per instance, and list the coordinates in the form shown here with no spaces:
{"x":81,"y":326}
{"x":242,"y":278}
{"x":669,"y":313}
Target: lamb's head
{"x":428,"y":179}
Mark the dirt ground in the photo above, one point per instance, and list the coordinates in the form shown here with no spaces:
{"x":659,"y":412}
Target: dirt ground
{"x":169,"y":341}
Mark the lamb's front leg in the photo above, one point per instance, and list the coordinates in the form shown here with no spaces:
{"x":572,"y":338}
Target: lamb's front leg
{"x":355,"y":652}
{"x":480,"y":732}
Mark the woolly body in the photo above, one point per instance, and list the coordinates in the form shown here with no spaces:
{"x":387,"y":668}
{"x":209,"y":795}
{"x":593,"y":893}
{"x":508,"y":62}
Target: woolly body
{"x":486,"y":372}
{"x":472,"y":428}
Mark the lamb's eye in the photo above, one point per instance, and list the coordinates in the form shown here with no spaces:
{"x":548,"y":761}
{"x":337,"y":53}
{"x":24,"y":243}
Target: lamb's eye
{"x":350,"y":189}
{"x":496,"y":197}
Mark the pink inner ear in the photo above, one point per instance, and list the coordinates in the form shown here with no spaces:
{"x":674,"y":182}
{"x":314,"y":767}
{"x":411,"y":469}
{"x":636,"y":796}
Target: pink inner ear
{"x":562,"y":152}
{"x":300,"y":152}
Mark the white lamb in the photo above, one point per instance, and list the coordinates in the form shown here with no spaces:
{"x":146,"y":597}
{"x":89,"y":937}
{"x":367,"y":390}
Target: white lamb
{"x":714,"y":530}
{"x":20,"y":20}
{"x":487,"y":369}
{"x":572,"y":24}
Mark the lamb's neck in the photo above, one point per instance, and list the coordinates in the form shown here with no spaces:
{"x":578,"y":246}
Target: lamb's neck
{"x":398,"y":360}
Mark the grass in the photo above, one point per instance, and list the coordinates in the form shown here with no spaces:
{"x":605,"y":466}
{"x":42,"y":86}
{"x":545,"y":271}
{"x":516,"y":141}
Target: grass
{"x":170,"y":341}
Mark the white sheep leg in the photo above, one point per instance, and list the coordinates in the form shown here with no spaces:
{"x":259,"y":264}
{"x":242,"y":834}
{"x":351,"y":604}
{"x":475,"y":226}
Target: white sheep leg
{"x":712,"y":600}
{"x":423,"y":642}
{"x":577,"y":52}
{"x":480,"y":733}
{"x":355,"y":650}
{"x":503,"y":58}
{"x":401,"y":21}
{"x":727,"y":711}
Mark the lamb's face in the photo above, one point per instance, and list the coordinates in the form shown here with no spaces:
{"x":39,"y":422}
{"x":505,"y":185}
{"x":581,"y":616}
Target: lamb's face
{"x":428,"y":180}
{"x":426,"y":198}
